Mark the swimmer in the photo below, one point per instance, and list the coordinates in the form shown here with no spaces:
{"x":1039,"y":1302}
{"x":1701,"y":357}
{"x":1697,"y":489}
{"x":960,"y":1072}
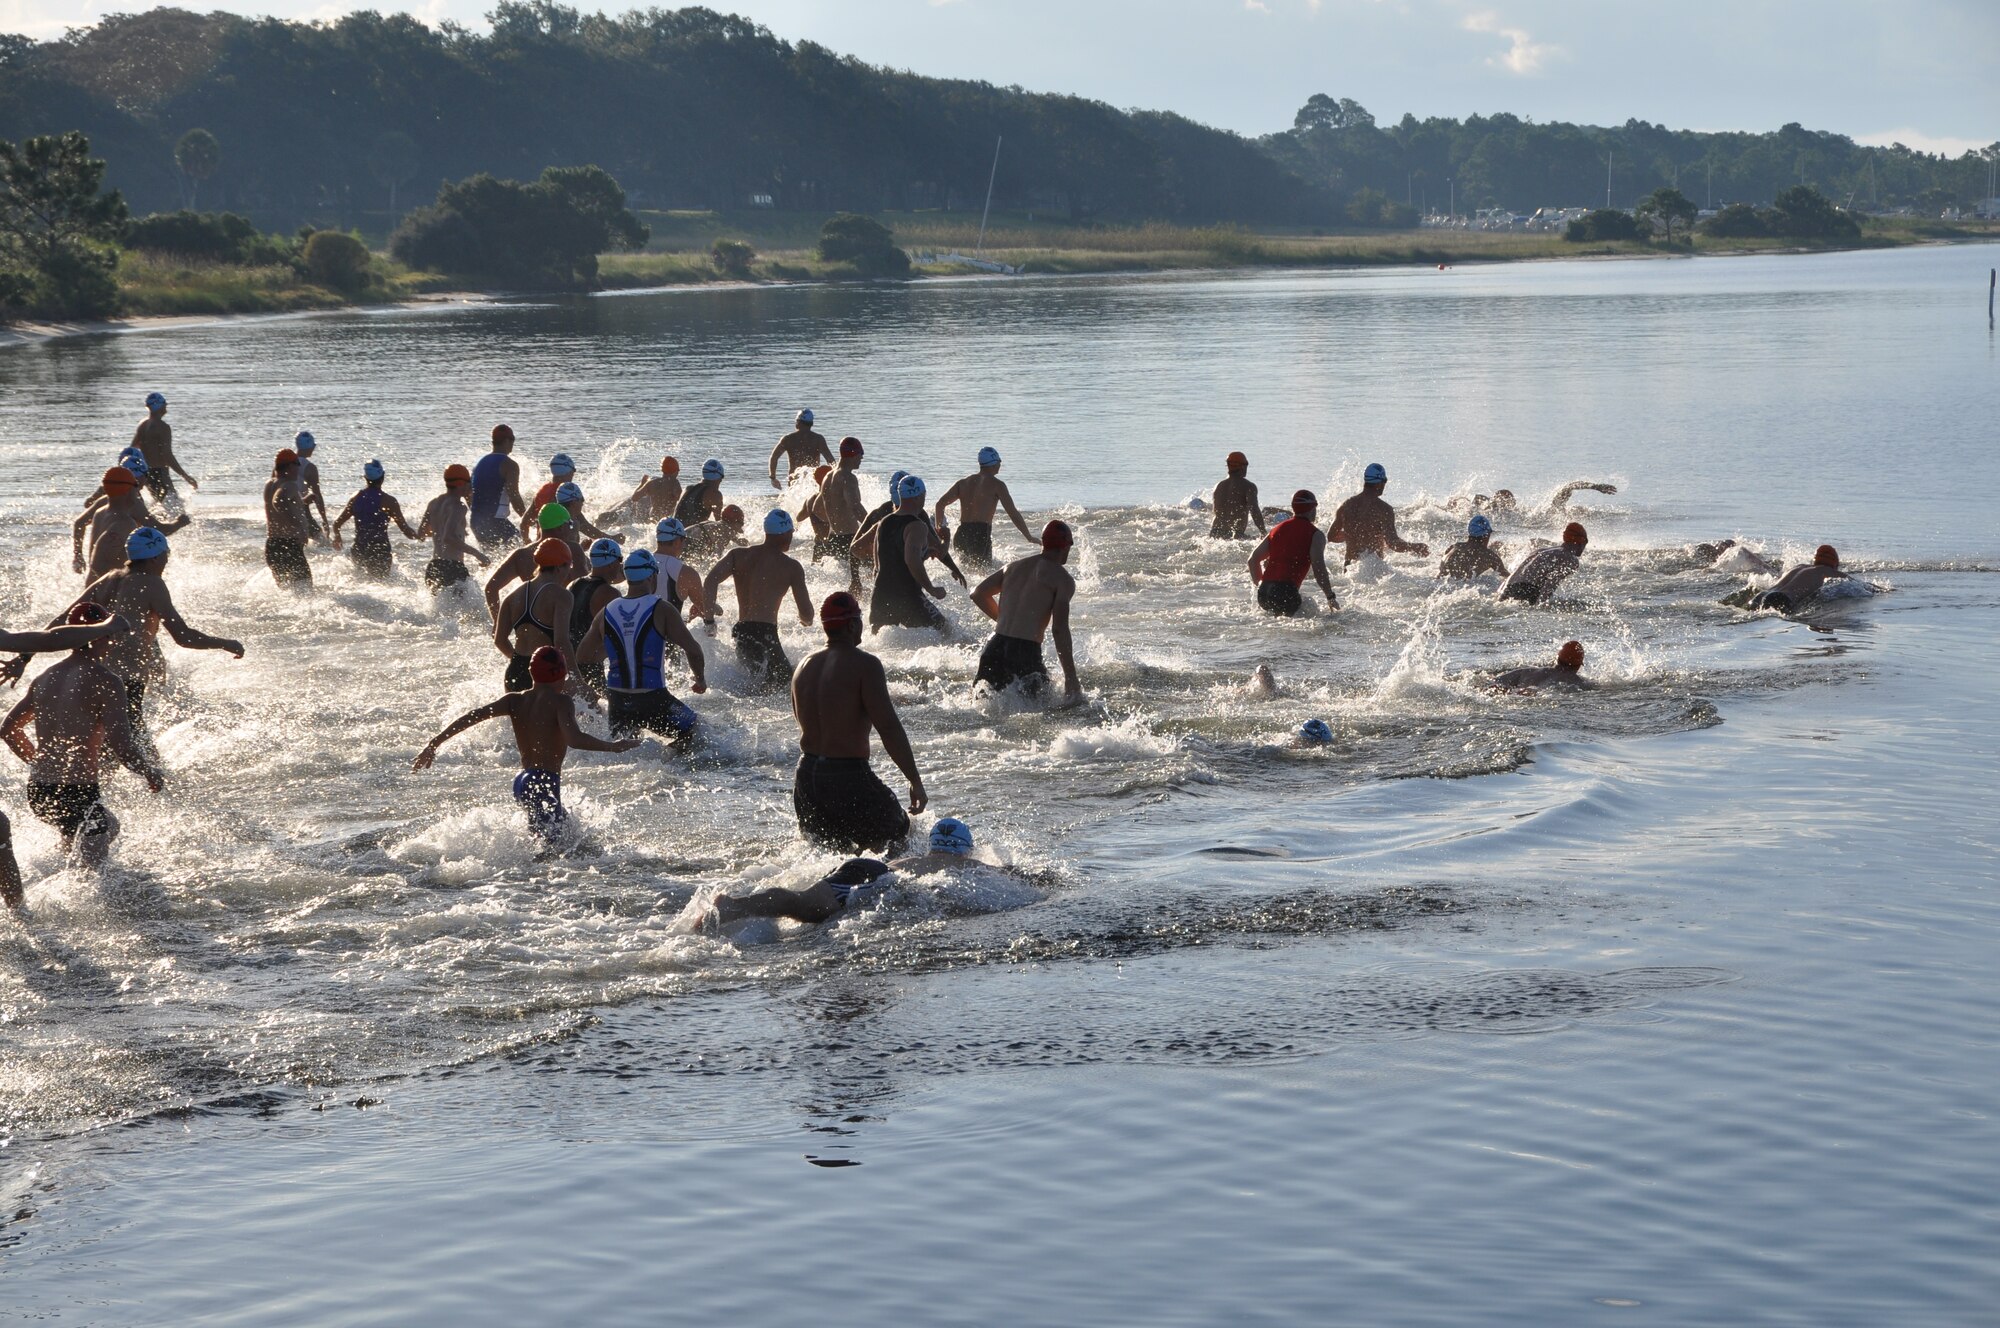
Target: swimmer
{"x":445,"y":525}
{"x":536,"y":613}
{"x":1536,"y":580}
{"x":631,"y":635}
{"x":371,"y":510}
{"x":588,"y":596}
{"x":288,"y":525}
{"x":680,"y":583}
{"x":1263,"y":684}
{"x":762,"y":574}
{"x":704,"y":501}
{"x":155,"y":440}
{"x":545,"y":733}
{"x":520,"y":565}
{"x":656,"y":496}
{"x":1800,"y":584}
{"x":1366,"y":523}
{"x":1313,"y":733}
{"x":1026,"y":599}
{"x":1235,"y":501}
{"x":77,"y":711}
{"x":1471,"y":557}
{"x":711,"y":539}
{"x":1294,"y":547}
{"x":496,"y":499}
{"x":839,"y":502}
{"x":1503,"y":502}
{"x":901,"y":545}
{"x":1565,"y":673}
{"x":802,"y":448}
{"x":570,"y":494}
{"x":305,"y":444}
{"x":813,"y":513}
{"x":977,"y":495}
{"x":107,"y":524}
{"x":839,"y":695}
{"x":949,"y":848}
{"x":561,"y":472}
{"x":863,"y":540}
{"x":1745,"y":559}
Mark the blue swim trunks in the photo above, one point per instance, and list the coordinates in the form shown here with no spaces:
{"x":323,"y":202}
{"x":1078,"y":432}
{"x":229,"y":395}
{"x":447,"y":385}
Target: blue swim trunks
{"x":540,"y":792}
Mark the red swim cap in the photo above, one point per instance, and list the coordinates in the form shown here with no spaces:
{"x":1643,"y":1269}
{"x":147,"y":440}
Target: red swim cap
{"x":1574,"y":533}
{"x":820,"y":473}
{"x":457,"y":474}
{"x":1571,"y":655}
{"x":1827,"y":556}
{"x":545,"y":495}
{"x":1056,"y":535}
{"x":1235,"y":460}
{"x":546,"y":665}
{"x":839,"y":609}
{"x":1303,"y":501}
{"x":552,"y":552}
{"x":733,"y":515}
{"x":850,"y":447}
{"x":670,"y":465}
{"x":86,"y":613}
{"x":286,"y":457}
{"x":119,"y":478}
{"x":502,"y":434}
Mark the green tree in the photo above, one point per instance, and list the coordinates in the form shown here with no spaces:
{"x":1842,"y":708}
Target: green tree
{"x":199,"y":157}
{"x":732,"y":257}
{"x":1735,"y":222}
{"x":545,"y":234}
{"x":336,"y":259}
{"x":392,"y":161}
{"x":57,"y":229}
{"x":1323,"y":112}
{"x":864,"y":244}
{"x":1603,"y":224}
{"x":1668,"y":207}
{"x":1805,"y":212}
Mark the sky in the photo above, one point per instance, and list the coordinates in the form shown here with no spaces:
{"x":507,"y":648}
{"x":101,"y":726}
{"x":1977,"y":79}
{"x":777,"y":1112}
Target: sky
{"x":1920,"y":72}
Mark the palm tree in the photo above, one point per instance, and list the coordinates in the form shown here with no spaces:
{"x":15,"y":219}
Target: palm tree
{"x":199,"y":156}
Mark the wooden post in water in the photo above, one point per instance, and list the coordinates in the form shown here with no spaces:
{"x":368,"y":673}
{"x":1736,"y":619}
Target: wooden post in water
{"x":1992,"y":280}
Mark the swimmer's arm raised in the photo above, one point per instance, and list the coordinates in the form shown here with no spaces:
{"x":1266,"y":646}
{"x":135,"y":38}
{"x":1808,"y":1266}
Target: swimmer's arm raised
{"x":1560,"y":498}
{"x":882,"y":714}
{"x":987,"y":596}
{"x":470,"y":719}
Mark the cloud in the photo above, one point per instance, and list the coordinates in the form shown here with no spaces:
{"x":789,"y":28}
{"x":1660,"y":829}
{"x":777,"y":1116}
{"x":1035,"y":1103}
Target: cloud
{"x":1922,"y":142}
{"x":1524,"y":55}
{"x":1256,"y":6}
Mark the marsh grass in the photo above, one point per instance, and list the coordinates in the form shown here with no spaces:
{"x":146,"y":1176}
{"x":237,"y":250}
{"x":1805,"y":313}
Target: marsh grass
{"x":166,"y":284}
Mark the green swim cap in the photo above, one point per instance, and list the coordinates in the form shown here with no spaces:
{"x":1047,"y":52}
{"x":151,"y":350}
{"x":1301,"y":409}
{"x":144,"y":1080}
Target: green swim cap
{"x":554,"y":517}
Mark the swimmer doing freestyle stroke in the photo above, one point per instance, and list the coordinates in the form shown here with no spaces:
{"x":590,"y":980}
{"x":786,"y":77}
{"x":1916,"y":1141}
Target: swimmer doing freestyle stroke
{"x":949,"y":847}
{"x":1543,"y":572}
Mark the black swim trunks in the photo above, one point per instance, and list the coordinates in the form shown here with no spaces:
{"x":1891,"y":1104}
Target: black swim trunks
{"x":840,"y":548}
{"x":1527,"y":594}
{"x":841,"y":804}
{"x":1774,"y":600}
{"x":444,"y":573}
{"x":72,"y":809}
{"x":651,"y":712}
{"x":495,"y":531}
{"x":372,"y":557}
{"x":518,"y":678}
{"x":761,"y":655}
{"x":1011,"y":659}
{"x":287,"y":561}
{"x":974,"y":539}
{"x":1279,"y":597}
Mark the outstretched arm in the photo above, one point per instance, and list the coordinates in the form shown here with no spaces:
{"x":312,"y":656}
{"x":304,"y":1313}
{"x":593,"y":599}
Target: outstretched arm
{"x":54,"y":639}
{"x":1014,"y":514}
{"x":1560,"y":498}
{"x":882,"y":714}
{"x":187,"y":638}
{"x":470,"y":719}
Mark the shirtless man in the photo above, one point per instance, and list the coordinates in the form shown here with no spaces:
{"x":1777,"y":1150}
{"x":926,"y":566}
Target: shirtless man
{"x":1470,"y":557}
{"x":155,"y":440}
{"x":545,"y":732}
{"x":76,"y":710}
{"x":631,"y":636}
{"x":110,"y":522}
{"x":1536,"y":580}
{"x":802,"y":449}
{"x":711,"y":539}
{"x":950,"y":847}
{"x":1281,"y":560}
{"x":1235,"y":501}
{"x":839,"y":503}
{"x":1565,"y":674}
{"x":288,"y":525}
{"x":84,"y":533}
{"x":1027,"y":599}
{"x":444,"y":525}
{"x":762,"y":574}
{"x":1800,"y":584}
{"x":839,"y":695}
{"x":901,"y":544}
{"x":977,"y":495}
{"x":704,"y":501}
{"x":371,"y":511}
{"x":656,"y":496}
{"x":588,"y":595}
{"x":496,"y":491}
{"x":536,"y":613}
{"x":520,"y":565}
{"x":304,"y":444}
{"x":1367,"y":524}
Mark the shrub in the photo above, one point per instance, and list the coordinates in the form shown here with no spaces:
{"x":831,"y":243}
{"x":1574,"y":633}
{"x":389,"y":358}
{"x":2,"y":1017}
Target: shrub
{"x":1805,"y":212}
{"x":219,"y":237}
{"x":1603,"y":224}
{"x":732,"y":257}
{"x":1738,"y":221}
{"x":1372,"y":207}
{"x":337,"y":259}
{"x":864,"y":244}
{"x":545,"y":234}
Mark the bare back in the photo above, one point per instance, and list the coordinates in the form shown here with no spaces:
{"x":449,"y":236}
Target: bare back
{"x":762,"y":574}
{"x":445,"y":521}
{"x":979,"y":496}
{"x":155,"y":441}
{"x":1030,"y":592}
{"x":110,"y":525}
{"x":840,"y":501}
{"x":832,"y":695}
{"x":73,"y":703}
{"x":285,"y":515}
{"x":143,"y":598}
{"x":1366,"y":524}
{"x":542,"y":718}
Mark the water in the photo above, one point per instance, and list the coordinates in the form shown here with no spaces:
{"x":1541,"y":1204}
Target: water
{"x":1671,"y":1000}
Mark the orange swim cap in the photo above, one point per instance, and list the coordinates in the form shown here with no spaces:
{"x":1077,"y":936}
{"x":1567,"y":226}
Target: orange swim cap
{"x":286,"y":457}
{"x":1236,"y":461}
{"x":839,"y":609}
{"x":1571,"y":655}
{"x":552,"y":552}
{"x":1574,"y":533}
{"x":502,"y":434}
{"x":1827,"y":556}
{"x":820,"y":473}
{"x":546,"y":665}
{"x":457,"y":474}
{"x":119,"y":478}
{"x":1056,"y":535}
{"x":733,"y":515}
{"x":670,"y":465}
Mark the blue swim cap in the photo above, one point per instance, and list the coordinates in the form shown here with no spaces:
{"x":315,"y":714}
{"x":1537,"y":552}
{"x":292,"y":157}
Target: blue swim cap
{"x":137,"y":465}
{"x":129,"y":451}
{"x":951,"y":835}
{"x":711,"y":469}
{"x":1479,"y":525}
{"x":560,"y":464}
{"x":1316,"y":731}
{"x":155,"y":401}
{"x":1375,"y":474}
{"x":605,"y":553}
{"x":569,"y":493}
{"x":806,"y":416}
{"x":669,"y":530}
{"x":639,"y":566}
{"x":303,"y":442}
{"x":372,"y":471}
{"x":989,"y":456}
{"x":144,"y":543}
{"x":910,"y":487}
{"x":777,"y":521}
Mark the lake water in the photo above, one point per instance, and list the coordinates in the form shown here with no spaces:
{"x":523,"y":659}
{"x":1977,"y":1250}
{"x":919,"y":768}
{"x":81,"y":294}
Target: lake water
{"x":1674,"y":1002}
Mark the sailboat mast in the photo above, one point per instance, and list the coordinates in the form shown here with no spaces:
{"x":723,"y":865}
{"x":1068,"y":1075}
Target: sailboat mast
{"x":980,"y":250}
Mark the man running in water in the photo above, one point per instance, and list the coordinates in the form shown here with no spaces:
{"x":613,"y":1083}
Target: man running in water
{"x":1026,"y":599}
{"x":1235,"y":501}
{"x":839,"y":695}
{"x":712,"y":539}
{"x":545,"y":732}
{"x":76,"y":710}
{"x":288,"y":525}
{"x":1565,"y":674}
{"x":304,"y":444}
{"x":520,"y":565}
{"x":561,"y":471}
{"x":444,"y":524}
{"x":704,"y":501}
{"x":839,"y":503}
{"x":762,"y":574}
{"x":588,"y":595}
{"x":1471,"y":557}
{"x":1366,"y":523}
{"x":802,"y":449}
{"x":1800,"y":584}
{"x":631,"y":636}
{"x":155,"y":440}
{"x":496,"y":492}
{"x":950,"y":846}
{"x":1536,"y":580}
{"x":109,"y":522}
{"x":1279,"y":563}
{"x":372,"y":510}
{"x":977,"y":495}
{"x":680,"y":583}
{"x":657,"y":496}
{"x":901,"y":545}
{"x":536,"y":613}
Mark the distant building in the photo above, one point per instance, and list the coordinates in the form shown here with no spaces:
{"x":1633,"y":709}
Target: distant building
{"x":1986,"y":208}
{"x":762,"y":201}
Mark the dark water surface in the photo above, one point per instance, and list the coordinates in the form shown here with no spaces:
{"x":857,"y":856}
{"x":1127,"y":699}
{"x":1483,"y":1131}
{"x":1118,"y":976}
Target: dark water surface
{"x":1674,"y":1001}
